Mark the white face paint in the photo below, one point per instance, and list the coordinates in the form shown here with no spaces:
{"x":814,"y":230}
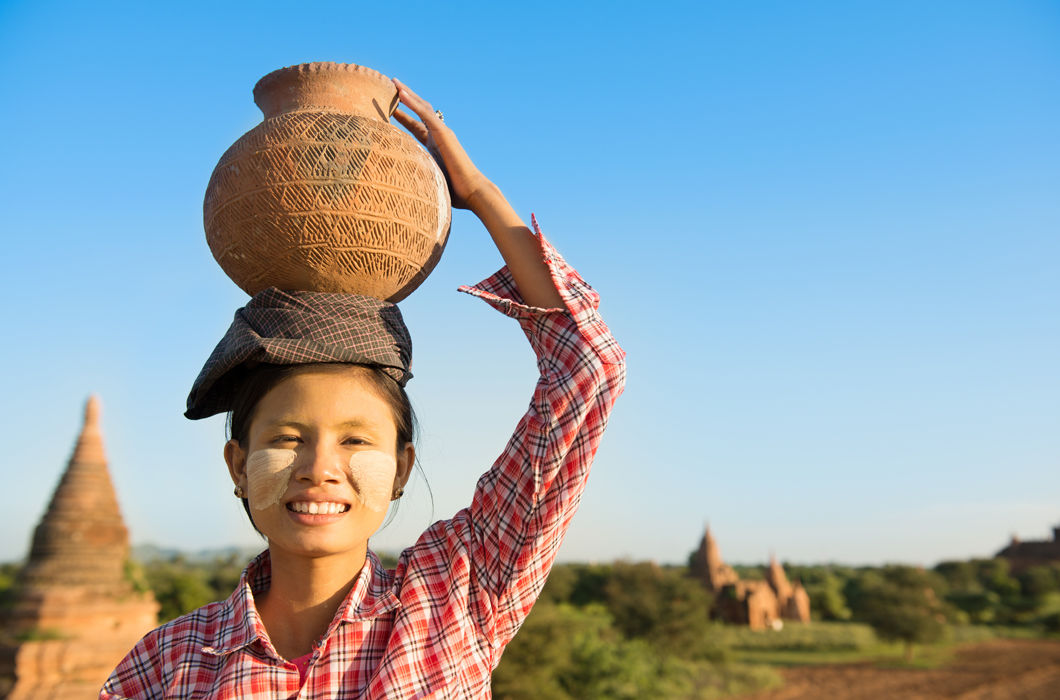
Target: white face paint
{"x":372,"y":473}
{"x":268,"y":474}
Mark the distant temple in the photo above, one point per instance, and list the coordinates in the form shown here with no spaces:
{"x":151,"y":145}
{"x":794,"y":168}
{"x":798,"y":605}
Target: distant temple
{"x":75,"y":614}
{"x":757,"y":604}
{"x":1023,"y":555}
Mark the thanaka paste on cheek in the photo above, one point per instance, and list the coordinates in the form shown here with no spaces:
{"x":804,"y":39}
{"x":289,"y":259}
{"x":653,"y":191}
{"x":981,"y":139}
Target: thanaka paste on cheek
{"x":372,"y":473}
{"x":268,"y":474}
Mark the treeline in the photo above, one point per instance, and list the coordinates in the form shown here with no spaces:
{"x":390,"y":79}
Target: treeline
{"x":181,"y":585}
{"x":632,"y":630}
{"x":978,"y":591}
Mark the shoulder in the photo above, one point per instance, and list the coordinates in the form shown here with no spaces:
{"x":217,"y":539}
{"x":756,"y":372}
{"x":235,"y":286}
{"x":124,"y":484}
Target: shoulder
{"x":199,"y":628}
{"x":164,"y":653}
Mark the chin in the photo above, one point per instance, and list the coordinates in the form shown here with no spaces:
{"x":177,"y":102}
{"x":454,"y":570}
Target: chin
{"x":316,"y":546}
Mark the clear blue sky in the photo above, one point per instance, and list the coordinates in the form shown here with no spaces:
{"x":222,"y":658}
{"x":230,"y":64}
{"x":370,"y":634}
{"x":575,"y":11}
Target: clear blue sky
{"x":825,"y":232}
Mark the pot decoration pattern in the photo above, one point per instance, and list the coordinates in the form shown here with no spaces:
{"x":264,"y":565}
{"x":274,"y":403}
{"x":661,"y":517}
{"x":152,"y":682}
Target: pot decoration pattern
{"x":326,"y":194}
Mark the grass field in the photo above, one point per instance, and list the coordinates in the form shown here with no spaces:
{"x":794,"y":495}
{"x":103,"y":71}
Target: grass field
{"x":821,"y":643}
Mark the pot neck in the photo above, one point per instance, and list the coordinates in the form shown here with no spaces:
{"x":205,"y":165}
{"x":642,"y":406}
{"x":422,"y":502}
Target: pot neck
{"x":338,"y":87}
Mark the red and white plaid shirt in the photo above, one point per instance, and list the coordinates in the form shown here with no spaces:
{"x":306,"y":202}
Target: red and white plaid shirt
{"x":437,"y":624}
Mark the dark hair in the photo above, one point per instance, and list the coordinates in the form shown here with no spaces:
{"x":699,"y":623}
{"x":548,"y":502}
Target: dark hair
{"x":260,"y":380}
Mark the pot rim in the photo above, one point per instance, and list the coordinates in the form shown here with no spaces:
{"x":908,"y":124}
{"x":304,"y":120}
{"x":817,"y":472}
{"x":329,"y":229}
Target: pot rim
{"x":268,"y":79}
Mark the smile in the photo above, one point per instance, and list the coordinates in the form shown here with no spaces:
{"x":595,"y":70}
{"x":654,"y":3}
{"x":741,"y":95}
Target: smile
{"x":317,"y":507}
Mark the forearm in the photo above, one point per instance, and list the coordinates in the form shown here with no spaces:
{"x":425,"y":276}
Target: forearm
{"x":517,"y":245}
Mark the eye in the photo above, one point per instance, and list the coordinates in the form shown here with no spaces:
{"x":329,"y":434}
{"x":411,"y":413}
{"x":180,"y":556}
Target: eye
{"x":356,"y":440}
{"x":281,"y":439}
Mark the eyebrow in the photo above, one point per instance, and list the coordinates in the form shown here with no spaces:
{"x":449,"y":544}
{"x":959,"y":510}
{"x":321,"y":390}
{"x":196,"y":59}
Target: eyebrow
{"x":355,"y":423}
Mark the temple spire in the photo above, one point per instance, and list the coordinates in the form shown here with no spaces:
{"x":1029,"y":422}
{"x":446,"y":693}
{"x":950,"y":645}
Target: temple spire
{"x":81,"y":540}
{"x":75,"y":613}
{"x":89,"y":446}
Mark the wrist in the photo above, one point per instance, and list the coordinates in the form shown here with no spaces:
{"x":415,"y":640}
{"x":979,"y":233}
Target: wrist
{"x":484,"y":198}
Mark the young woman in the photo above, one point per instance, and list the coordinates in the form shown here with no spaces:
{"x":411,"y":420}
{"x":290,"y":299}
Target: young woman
{"x":321,"y":443}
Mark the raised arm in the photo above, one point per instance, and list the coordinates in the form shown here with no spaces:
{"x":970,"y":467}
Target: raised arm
{"x":504,"y":544}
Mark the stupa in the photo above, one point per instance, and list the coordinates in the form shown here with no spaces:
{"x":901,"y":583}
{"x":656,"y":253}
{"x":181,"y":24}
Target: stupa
{"x":76,"y":614}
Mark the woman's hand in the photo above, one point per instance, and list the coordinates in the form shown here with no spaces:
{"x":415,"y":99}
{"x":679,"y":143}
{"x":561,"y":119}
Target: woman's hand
{"x":463,"y":177}
{"x":469,"y":189}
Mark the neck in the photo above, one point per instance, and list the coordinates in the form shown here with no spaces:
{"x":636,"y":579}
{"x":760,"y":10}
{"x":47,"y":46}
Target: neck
{"x":303,"y":597}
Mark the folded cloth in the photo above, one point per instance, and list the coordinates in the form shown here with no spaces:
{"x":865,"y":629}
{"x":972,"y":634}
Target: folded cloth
{"x":291,"y":328}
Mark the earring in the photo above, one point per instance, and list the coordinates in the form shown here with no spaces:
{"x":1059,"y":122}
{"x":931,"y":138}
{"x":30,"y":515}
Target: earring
{"x":238,"y":491}
{"x":398,"y":494}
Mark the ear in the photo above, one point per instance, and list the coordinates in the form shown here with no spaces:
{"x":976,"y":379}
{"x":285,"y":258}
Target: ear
{"x":406,"y":458}
{"x":236,"y":459}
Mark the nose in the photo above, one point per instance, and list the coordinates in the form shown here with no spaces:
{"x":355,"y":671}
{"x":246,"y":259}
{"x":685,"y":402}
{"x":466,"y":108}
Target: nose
{"x":319,"y":463}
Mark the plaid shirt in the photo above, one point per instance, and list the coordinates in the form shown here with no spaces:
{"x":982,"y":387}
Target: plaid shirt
{"x":436,"y":625}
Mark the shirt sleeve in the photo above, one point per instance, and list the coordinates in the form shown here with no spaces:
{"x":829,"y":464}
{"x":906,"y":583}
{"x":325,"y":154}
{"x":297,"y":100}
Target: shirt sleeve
{"x":523,"y":505}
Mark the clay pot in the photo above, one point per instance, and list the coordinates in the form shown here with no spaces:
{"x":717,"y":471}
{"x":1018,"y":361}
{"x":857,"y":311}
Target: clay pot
{"x":326,"y":194}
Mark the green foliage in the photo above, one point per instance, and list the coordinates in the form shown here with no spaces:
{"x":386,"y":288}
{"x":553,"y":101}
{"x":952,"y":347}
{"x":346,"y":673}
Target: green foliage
{"x":987,"y":592}
{"x":561,"y":583}
{"x":8,"y":579}
{"x":589,"y":583}
{"x":959,"y":575}
{"x":621,"y":631}
{"x":1038,"y":582}
{"x":40,"y":635}
{"x":818,"y":636}
{"x":134,"y":574}
{"x":223,"y":575}
{"x":566,"y":652}
{"x":827,"y":601}
{"x":1051,"y":623}
{"x":661,"y":606}
{"x":181,"y":586}
{"x":388,"y":560}
{"x":979,"y":607}
{"x":901,"y":604}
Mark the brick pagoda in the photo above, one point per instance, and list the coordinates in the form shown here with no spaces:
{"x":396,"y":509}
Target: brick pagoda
{"x":757,"y":604}
{"x":75,"y":614}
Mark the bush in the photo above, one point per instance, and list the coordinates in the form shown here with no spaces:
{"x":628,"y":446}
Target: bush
{"x":1051,"y":623}
{"x":901,"y":605}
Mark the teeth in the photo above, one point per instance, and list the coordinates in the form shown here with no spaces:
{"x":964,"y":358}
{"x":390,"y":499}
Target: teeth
{"x":315,"y":508}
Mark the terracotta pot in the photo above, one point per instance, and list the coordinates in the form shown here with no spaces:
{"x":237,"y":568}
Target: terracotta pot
{"x":326,"y":194}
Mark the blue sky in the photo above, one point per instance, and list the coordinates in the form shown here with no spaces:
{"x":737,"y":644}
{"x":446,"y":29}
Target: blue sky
{"x":825,"y":233}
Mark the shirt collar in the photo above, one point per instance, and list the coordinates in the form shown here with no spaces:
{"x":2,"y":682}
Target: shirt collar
{"x":238,"y":625}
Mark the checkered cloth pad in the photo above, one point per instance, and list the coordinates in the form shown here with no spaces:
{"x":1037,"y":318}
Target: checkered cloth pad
{"x":291,"y":328}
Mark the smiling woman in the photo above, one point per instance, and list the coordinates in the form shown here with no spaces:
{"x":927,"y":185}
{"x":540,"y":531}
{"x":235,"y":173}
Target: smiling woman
{"x":321,"y":443}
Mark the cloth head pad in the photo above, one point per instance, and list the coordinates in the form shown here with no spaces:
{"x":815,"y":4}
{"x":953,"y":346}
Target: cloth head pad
{"x":291,"y":328}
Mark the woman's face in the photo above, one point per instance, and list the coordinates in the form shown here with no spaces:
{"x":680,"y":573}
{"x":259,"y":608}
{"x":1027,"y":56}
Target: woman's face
{"x":321,"y":462}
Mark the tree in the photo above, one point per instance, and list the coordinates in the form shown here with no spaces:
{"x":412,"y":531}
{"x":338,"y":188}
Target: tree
{"x":665,"y":607}
{"x":901,"y":605}
{"x":178,"y":587}
{"x":995,"y":575}
{"x":826,"y":598}
{"x":1037,"y":582}
{"x":980,"y":607}
{"x":563,"y":653}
